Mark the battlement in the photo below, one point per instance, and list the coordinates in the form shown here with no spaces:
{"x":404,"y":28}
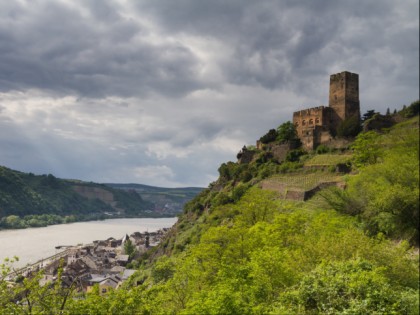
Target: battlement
{"x":344,"y":75}
{"x":310,"y":111}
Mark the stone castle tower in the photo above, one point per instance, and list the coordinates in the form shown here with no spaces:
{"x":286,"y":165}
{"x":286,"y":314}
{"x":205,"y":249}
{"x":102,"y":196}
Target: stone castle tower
{"x":317,"y":125}
{"x":344,"y":96}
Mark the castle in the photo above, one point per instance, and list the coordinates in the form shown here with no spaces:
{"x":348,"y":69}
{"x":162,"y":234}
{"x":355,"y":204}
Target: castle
{"x":318,"y":125}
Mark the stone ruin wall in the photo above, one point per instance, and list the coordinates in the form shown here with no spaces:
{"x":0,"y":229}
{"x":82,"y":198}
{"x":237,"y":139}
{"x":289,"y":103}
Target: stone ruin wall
{"x":309,"y":118}
{"x":312,"y":125}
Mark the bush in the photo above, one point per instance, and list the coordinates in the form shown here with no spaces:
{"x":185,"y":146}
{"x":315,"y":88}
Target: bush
{"x":412,"y":110}
{"x":221,"y":199}
{"x":322,"y":148}
{"x":349,"y":128}
{"x":270,"y":136}
{"x":294,"y":155}
{"x":287,"y":132}
{"x":353,"y":287}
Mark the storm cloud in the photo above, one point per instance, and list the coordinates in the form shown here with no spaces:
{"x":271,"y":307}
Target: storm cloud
{"x":161,"y":92}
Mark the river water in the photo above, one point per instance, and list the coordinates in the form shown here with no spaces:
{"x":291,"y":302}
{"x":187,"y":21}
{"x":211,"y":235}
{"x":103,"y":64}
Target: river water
{"x":33,"y":244}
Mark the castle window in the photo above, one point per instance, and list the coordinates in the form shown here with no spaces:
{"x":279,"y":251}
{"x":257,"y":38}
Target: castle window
{"x":303,"y":122}
{"x":317,"y":121}
{"x":297,"y":124}
{"x":311,"y":121}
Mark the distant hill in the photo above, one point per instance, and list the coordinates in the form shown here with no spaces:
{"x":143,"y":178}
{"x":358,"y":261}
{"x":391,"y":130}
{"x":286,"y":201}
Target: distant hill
{"x":38,"y":200}
{"x":165,"y":200}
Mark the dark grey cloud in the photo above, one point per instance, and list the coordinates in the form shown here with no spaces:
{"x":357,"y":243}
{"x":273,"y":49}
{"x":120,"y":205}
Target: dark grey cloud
{"x":90,"y":50}
{"x":292,"y":44}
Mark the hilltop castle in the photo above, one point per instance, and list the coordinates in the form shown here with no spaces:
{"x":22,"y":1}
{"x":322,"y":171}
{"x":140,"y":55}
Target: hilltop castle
{"x":319,"y":125}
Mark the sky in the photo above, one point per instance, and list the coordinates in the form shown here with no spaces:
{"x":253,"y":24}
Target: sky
{"x":162,"y":92}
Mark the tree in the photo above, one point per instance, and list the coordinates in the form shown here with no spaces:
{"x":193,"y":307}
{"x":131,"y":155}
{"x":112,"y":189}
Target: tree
{"x":411,"y":110}
{"x":270,"y":136}
{"x":349,"y":128}
{"x":129,"y":248}
{"x":366,"y":149}
{"x":286,"y":132}
{"x":369,"y":114}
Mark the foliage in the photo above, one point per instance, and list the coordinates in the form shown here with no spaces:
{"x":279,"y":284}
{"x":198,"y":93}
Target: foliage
{"x":30,"y":200}
{"x":294,"y":155}
{"x":16,"y":222}
{"x":322,"y":148}
{"x":366,"y":149}
{"x":25,"y":295}
{"x":368,"y":115}
{"x":286,"y":132}
{"x":263,"y":255}
{"x":270,"y":136}
{"x":412,"y":110}
{"x":350,"y":287}
{"x":385,"y":193}
{"x":129,"y":248}
{"x":349,"y":128}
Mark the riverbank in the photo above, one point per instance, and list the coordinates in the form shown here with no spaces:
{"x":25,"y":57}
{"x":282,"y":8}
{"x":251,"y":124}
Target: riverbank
{"x":43,"y":220}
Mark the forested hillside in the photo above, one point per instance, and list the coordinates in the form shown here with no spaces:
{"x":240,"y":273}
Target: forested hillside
{"x":246,"y":245}
{"x":167,"y":200}
{"x":31,"y":200}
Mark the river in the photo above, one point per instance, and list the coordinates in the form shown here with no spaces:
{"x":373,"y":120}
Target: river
{"x":33,"y":244}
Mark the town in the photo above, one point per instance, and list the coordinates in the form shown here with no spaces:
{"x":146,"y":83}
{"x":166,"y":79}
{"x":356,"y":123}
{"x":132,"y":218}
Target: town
{"x":105,"y":263}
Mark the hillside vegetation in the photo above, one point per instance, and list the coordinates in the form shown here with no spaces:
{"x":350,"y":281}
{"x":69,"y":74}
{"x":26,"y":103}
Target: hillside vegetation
{"x":31,"y":200}
{"x":167,"y":200}
{"x":240,"y":249}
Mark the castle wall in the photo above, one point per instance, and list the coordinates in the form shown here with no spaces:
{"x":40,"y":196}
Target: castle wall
{"x":312,"y":125}
{"x":309,"y":118}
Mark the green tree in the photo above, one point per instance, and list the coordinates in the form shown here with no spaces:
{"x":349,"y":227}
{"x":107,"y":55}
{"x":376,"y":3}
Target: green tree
{"x":270,"y":136}
{"x":366,"y":149}
{"x":286,"y":132}
{"x":129,"y":248}
{"x":349,"y":128}
{"x":368,"y":115}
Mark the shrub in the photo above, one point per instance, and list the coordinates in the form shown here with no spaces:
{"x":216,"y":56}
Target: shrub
{"x":294,"y":155}
{"x":322,"y":148}
{"x":287,"y":132}
{"x":349,"y":128}
{"x":270,"y":136}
